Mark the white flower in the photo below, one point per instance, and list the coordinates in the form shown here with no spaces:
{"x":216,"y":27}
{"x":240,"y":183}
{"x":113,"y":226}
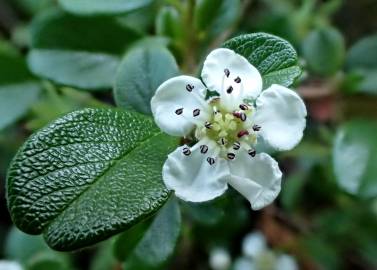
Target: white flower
{"x":226,"y":130}
{"x":219,"y":259}
{"x":254,"y":244}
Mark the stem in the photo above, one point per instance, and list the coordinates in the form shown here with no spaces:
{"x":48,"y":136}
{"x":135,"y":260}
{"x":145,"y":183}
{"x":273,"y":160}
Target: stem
{"x":190,"y":53}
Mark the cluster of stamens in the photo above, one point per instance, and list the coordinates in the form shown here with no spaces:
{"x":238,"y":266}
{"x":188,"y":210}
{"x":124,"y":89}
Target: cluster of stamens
{"x":230,"y":131}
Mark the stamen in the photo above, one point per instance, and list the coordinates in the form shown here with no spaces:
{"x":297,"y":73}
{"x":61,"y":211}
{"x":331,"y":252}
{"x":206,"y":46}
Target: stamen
{"x":186,"y":151}
{"x":227,"y":72}
{"x":242,"y":133}
{"x":231,"y":156}
{"x":195,"y":112}
{"x":203,"y":149}
{"x":244,"y":107}
{"x":208,"y":125}
{"x":210,"y":160}
{"x":243,"y":117}
{"x":189,"y":87}
{"x":179,"y":111}
{"x":252,"y":152}
{"x":223,"y":141}
{"x":256,"y":128}
{"x":229,"y":90}
{"x":236,"y":146}
{"x":237,"y":80}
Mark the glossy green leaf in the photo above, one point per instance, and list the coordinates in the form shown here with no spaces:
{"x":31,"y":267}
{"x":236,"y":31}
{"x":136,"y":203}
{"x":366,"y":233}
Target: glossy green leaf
{"x":86,"y":70}
{"x":213,"y":17}
{"x":159,"y":241}
{"x":87,"y":176}
{"x":86,"y":58}
{"x":274,"y":57}
{"x":91,"y":7}
{"x":140,"y":74}
{"x":354,"y":158}
{"x":324,"y":50}
{"x":18,"y":90}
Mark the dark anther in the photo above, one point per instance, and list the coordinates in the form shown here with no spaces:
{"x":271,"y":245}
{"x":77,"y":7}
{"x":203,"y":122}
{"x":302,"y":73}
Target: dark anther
{"x":256,"y":128}
{"x":227,"y":72}
{"x":244,"y":107}
{"x":223,"y":141}
{"x":242,"y":133}
{"x":210,"y":160}
{"x":236,"y":146}
{"x":186,"y":151}
{"x":189,"y":87}
{"x":196,"y":112}
{"x":208,"y":125}
{"x":237,"y":80}
{"x":179,"y":111}
{"x":252,"y":152}
{"x":203,"y":149}
{"x":229,"y":90}
{"x":231,"y":155}
{"x":243,"y":117}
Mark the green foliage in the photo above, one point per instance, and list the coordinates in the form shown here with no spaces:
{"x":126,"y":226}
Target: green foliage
{"x":354,"y":158}
{"x":274,"y":57}
{"x":18,"y":88}
{"x":87,"y":176}
{"x":324,"y":51}
{"x":169,"y":23}
{"x":362,"y":60}
{"x":82,"y":58}
{"x":140,"y":74}
{"x":159,"y":239}
{"x":92,"y":7}
{"x":213,"y":17}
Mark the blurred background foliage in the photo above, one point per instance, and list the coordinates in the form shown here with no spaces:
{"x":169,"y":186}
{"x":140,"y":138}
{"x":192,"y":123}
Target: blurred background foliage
{"x":58,"y":56}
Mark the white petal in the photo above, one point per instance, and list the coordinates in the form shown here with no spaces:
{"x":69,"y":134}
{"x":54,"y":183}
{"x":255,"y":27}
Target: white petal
{"x":213,"y":75}
{"x":254,"y":244}
{"x":281,"y":114}
{"x":171,"y":96}
{"x":286,"y":262}
{"x":192,"y":177}
{"x":219,"y":259}
{"x":244,"y":264}
{"x":257,"y":178}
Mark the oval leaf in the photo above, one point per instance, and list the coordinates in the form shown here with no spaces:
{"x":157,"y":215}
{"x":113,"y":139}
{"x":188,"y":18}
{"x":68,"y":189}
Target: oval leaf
{"x":140,"y":74}
{"x":274,"y":57}
{"x":324,"y":50}
{"x":354,"y":158}
{"x":87,"y":176}
{"x":85,"y":70}
{"x":91,"y":7}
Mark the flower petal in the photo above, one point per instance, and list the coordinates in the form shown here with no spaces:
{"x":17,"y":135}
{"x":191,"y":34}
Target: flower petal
{"x":223,"y":68}
{"x":183,"y":93}
{"x":281,"y":114}
{"x":192,"y":177}
{"x":257,"y":178}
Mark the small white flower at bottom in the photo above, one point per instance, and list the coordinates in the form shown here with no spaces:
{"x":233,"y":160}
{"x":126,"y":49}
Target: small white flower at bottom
{"x":224,"y":130}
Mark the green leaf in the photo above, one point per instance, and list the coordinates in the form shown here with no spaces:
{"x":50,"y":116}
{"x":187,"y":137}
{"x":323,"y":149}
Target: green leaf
{"x":158,"y":243}
{"x":169,"y":23}
{"x":87,"y":176}
{"x":354,"y":158}
{"x":86,"y":57}
{"x":89,"y":71}
{"x":363,"y":54}
{"x":140,"y":74}
{"x":213,"y":17}
{"x":362,"y":60}
{"x":48,"y":261}
{"x":92,"y":7}
{"x":274,"y":57}
{"x":324,"y":51}
{"x":18,"y":90}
